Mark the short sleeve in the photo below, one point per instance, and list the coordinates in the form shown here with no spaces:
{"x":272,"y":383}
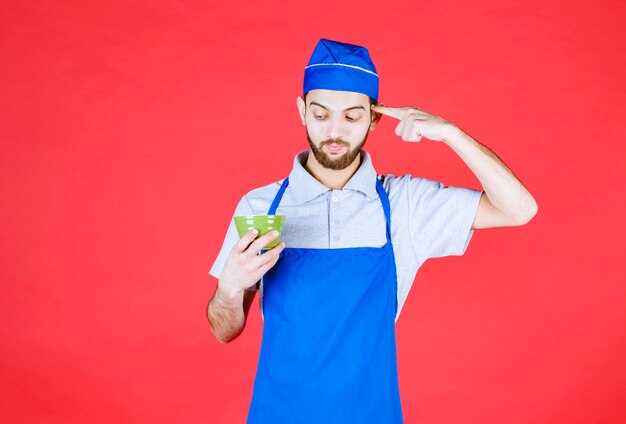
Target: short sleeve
{"x":440,"y":218}
{"x":243,"y":208}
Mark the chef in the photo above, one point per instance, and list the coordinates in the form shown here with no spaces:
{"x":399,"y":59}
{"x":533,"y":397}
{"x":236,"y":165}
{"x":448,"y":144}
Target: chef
{"x":331,"y":292}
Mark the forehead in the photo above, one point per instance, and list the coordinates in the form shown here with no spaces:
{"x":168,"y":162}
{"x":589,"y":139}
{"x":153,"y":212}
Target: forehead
{"x":337,"y":100}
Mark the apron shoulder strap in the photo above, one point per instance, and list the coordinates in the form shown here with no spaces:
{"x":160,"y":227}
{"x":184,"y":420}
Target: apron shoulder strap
{"x":279,"y":196}
{"x":384,"y":199}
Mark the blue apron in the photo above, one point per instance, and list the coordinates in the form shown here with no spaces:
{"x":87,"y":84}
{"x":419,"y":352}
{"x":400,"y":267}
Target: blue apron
{"x":328,"y":351}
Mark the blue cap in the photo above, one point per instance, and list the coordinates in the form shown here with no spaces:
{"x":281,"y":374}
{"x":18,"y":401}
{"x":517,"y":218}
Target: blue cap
{"x":341,"y":66}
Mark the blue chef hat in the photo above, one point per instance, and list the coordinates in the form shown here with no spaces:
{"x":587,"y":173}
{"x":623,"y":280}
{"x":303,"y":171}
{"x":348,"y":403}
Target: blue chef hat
{"x":341,"y":66}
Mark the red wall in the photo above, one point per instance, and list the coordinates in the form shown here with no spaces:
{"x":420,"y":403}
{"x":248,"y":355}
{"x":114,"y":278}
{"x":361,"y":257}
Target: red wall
{"x":129,"y":131}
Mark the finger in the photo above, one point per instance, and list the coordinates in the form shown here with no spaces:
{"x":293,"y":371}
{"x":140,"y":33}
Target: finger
{"x":400,"y":127}
{"x":260,"y":272}
{"x":394,"y":112}
{"x":267,"y":256}
{"x":262,"y":241}
{"x":243,"y":243}
{"x":409,"y":132}
{"x":415,"y":136}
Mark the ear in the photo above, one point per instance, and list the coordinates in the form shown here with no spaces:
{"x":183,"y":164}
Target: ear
{"x":301,"y":108}
{"x":375,"y":119}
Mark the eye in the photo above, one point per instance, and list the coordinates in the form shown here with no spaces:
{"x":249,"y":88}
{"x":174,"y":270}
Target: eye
{"x":319,"y":117}
{"x":351,"y":119}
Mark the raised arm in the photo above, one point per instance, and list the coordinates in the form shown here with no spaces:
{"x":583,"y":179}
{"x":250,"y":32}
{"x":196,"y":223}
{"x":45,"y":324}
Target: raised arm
{"x":505,"y":201}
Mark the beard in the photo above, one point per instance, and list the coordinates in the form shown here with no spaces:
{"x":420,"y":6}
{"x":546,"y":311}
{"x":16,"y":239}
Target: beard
{"x":334,"y":162}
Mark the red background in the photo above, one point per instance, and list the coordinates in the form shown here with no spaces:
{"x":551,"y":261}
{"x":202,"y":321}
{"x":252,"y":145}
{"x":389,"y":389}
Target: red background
{"x":129,"y":131}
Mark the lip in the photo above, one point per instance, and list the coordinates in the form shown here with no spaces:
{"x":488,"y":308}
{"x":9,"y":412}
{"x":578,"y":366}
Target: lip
{"x":335,"y":148}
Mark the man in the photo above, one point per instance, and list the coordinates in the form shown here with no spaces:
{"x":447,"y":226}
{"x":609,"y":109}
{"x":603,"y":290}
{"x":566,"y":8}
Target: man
{"x":353,"y":240}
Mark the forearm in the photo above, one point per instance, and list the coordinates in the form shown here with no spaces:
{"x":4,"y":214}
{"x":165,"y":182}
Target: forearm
{"x":505,"y":192}
{"x":226,"y":314}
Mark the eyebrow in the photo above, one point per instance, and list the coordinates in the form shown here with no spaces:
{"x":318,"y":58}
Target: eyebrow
{"x":345,"y":110}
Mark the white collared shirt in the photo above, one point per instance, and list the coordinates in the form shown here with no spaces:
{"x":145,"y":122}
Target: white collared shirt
{"x":428,"y":220}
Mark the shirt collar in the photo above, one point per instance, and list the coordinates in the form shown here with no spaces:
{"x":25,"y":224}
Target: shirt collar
{"x":305,"y":187}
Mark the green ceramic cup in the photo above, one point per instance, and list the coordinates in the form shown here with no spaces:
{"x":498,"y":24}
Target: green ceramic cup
{"x":263,"y":223}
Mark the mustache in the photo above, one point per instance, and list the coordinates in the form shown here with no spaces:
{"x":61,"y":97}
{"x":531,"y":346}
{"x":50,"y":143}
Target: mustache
{"x":334,"y":141}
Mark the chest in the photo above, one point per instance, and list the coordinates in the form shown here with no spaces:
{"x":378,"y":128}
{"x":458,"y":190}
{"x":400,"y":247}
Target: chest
{"x":335,"y":219}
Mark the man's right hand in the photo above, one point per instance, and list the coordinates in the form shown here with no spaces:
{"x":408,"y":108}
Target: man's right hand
{"x":244,"y":266}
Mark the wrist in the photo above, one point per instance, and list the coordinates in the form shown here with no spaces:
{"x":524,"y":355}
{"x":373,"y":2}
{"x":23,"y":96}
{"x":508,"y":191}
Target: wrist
{"x":453,"y":134}
{"x":227,"y":292}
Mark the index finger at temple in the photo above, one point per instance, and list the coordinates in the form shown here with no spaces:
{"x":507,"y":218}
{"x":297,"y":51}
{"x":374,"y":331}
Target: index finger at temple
{"x":394,"y":112}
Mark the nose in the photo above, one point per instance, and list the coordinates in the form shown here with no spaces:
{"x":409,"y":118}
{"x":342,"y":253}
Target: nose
{"x":335,"y":129}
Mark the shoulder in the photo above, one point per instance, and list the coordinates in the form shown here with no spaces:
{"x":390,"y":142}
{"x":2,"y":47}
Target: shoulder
{"x":259,"y":198}
{"x":407,"y":184}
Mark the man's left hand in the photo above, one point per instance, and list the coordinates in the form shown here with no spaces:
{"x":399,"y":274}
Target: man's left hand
{"x":415,"y":123}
